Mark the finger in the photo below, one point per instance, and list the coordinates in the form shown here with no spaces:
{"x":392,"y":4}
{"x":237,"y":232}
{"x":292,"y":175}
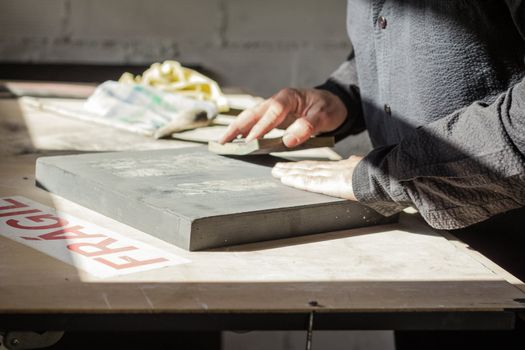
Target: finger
{"x":274,"y":115}
{"x":280,"y":172}
{"x":244,"y":122}
{"x":309,"y":183}
{"x":312,"y":164}
{"x":300,"y":131}
{"x":327,"y":185}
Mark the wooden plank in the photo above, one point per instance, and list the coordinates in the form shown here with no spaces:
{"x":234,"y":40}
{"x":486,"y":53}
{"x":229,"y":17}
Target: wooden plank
{"x":489,"y":264}
{"x":295,"y":297}
{"x":214,"y":132}
{"x":240,"y":147}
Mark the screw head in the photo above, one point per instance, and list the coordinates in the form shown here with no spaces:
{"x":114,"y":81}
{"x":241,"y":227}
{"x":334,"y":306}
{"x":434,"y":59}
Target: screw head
{"x":381,"y":21}
{"x":387,"y":109}
{"x":15,"y":342}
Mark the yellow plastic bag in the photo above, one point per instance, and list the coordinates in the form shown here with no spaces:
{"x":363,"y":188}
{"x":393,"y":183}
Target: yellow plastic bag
{"x":171,"y":76}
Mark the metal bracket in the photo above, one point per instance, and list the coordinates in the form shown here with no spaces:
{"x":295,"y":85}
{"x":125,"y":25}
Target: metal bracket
{"x":28,"y":340}
{"x":310,"y":331}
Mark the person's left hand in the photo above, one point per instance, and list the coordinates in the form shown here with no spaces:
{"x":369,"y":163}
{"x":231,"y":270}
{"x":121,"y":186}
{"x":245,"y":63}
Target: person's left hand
{"x":333,"y":178}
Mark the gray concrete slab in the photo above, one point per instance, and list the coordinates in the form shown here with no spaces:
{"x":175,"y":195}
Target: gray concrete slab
{"x":196,"y":199}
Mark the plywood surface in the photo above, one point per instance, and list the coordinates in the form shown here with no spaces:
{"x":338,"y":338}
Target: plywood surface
{"x":25,"y":130}
{"x":394,"y":268}
{"x":398,"y":267}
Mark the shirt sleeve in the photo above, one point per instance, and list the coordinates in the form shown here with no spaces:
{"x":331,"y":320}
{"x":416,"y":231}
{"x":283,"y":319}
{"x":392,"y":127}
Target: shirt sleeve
{"x":457,"y":171}
{"x":344,"y":84}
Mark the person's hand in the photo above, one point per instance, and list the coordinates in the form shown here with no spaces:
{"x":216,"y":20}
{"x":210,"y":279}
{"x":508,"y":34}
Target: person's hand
{"x":303,"y":112}
{"x":333,"y":178}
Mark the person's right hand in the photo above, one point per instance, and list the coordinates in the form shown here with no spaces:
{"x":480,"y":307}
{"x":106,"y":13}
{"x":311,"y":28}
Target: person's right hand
{"x":303,"y":112}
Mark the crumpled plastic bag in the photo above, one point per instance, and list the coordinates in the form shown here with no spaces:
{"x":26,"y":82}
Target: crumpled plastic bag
{"x":147,"y":110}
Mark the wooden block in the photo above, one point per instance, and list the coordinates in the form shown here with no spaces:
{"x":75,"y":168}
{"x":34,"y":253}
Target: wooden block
{"x":240,"y":147}
{"x":196,"y":199}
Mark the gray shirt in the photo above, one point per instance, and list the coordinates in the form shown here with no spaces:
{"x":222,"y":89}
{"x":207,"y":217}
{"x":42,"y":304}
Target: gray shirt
{"x":439,"y":84}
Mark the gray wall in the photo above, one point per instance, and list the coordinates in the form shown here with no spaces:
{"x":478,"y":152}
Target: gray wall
{"x":260,"y":45}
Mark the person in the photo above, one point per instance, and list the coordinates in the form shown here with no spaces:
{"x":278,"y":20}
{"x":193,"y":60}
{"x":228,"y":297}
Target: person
{"x":439,"y":85}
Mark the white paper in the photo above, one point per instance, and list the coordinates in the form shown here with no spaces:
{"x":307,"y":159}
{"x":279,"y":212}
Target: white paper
{"x":89,"y":247}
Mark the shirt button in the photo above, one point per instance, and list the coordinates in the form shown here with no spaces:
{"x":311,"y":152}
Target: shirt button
{"x":381,"y":21}
{"x":387,"y":108}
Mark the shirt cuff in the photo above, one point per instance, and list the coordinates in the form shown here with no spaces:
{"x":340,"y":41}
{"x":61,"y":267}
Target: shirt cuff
{"x":371,"y":185}
{"x":354,"y":111}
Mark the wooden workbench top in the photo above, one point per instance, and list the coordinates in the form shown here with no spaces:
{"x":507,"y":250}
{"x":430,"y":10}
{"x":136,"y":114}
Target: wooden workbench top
{"x":405,"y":267}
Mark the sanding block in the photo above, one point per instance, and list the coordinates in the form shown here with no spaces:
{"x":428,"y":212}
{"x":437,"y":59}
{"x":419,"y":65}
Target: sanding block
{"x":240,"y":147}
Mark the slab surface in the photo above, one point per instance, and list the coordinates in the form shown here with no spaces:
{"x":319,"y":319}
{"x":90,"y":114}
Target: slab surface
{"x":197,"y":199}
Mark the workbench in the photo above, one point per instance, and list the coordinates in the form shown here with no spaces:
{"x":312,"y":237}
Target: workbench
{"x":403,"y":276}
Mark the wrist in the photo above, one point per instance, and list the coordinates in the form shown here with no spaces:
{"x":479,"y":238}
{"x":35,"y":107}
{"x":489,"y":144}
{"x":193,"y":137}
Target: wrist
{"x":336,"y":113}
